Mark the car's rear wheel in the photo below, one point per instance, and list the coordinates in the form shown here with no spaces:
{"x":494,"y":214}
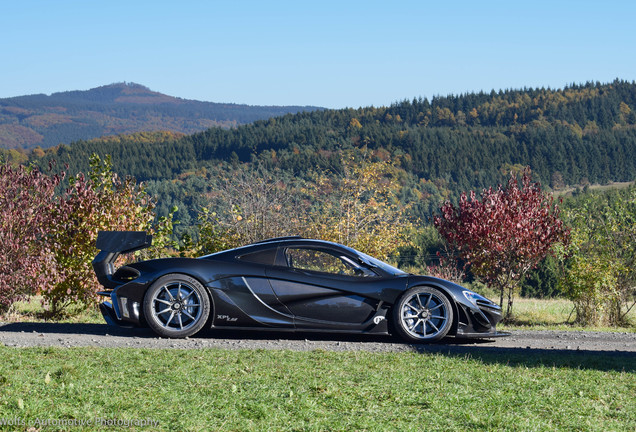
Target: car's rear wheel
{"x":423,"y":314}
{"x":176,"y":306}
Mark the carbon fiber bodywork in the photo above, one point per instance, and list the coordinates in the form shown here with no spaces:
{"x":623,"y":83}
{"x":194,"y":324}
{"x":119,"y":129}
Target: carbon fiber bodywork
{"x":257,"y":287}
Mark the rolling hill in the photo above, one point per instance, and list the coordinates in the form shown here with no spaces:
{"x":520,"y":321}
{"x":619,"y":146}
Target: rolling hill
{"x":122,"y":108}
{"x":575,"y":136}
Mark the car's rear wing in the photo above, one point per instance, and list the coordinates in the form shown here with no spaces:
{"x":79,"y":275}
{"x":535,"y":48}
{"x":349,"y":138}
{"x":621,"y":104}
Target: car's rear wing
{"x":111,"y":244}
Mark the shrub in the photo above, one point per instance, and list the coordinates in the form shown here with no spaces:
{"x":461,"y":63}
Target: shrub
{"x":600,"y":267}
{"x":100,"y":202}
{"x":26,"y":259}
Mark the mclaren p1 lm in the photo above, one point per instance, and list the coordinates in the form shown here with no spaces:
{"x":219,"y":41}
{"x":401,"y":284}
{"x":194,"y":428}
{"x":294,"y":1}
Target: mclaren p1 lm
{"x":287,"y":283}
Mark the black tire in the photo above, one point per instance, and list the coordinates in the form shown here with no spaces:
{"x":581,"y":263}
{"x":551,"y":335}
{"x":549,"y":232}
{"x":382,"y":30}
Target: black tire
{"x":422,"y":314}
{"x":176,"y":306}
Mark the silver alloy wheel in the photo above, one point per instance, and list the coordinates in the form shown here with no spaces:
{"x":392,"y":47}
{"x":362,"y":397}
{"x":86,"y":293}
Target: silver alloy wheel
{"x":425,"y":314}
{"x":176,"y":306}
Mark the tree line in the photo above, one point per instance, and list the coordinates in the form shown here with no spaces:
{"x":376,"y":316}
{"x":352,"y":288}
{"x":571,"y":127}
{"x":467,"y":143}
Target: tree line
{"x":578,"y":135}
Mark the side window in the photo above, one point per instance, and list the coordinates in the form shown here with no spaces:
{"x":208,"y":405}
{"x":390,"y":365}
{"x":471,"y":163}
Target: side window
{"x":265,"y":257}
{"x":322,"y":261}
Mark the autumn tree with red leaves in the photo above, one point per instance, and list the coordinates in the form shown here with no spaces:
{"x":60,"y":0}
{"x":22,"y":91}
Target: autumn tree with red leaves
{"x":26,"y":259}
{"x":47,"y":240}
{"x":504,"y":233}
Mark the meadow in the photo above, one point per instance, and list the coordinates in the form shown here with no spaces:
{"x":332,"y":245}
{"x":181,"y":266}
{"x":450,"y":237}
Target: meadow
{"x":278,"y":390}
{"x":315,"y":391}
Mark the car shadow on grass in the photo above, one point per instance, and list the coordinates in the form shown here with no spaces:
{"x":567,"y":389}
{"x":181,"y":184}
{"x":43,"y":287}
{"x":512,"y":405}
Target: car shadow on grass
{"x":618,"y":361}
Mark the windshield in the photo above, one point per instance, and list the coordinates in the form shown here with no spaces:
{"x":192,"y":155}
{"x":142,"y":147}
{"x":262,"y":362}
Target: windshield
{"x":377,"y":263}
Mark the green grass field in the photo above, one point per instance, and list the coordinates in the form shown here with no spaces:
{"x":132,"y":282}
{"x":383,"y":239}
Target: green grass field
{"x":281,"y":390}
{"x":210,"y":390}
{"x":31,"y":310}
{"x":553,"y":314}
{"x":595,"y":187}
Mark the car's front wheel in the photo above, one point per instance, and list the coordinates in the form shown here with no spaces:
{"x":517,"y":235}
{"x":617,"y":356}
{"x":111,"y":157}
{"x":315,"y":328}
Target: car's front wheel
{"x":176,"y":306}
{"x":423,"y":314}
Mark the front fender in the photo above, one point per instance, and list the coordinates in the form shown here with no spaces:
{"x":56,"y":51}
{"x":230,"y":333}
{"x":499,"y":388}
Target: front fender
{"x":473,"y":319}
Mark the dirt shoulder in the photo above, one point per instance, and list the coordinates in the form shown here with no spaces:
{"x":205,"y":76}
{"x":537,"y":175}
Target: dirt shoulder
{"x":102,"y":335}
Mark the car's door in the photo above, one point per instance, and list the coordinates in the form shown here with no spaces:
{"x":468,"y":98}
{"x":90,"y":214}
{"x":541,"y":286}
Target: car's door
{"x":243,"y":297}
{"x":326,"y":288}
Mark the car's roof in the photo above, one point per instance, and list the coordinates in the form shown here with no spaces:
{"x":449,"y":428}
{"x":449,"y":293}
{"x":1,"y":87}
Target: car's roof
{"x":298,"y":241}
{"x":296,"y":237}
{"x":283,"y":241}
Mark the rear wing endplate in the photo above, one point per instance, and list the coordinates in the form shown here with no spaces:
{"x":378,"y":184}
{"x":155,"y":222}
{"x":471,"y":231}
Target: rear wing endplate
{"x":113,"y":243}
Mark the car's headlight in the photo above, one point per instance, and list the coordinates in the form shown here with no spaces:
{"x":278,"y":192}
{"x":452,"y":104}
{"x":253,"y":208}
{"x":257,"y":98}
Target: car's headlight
{"x":473,"y":297}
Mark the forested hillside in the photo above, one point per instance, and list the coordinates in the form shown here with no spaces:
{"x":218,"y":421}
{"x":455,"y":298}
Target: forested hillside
{"x":45,"y":121}
{"x":573,"y":136}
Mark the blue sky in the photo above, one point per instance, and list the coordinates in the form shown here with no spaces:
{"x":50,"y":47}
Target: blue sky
{"x":326,"y":53}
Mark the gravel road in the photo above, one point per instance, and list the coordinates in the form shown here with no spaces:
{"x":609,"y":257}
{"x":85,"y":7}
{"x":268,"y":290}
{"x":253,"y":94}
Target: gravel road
{"x":102,"y":335}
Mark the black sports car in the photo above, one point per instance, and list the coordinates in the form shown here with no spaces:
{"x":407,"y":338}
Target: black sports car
{"x":287,"y":283}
